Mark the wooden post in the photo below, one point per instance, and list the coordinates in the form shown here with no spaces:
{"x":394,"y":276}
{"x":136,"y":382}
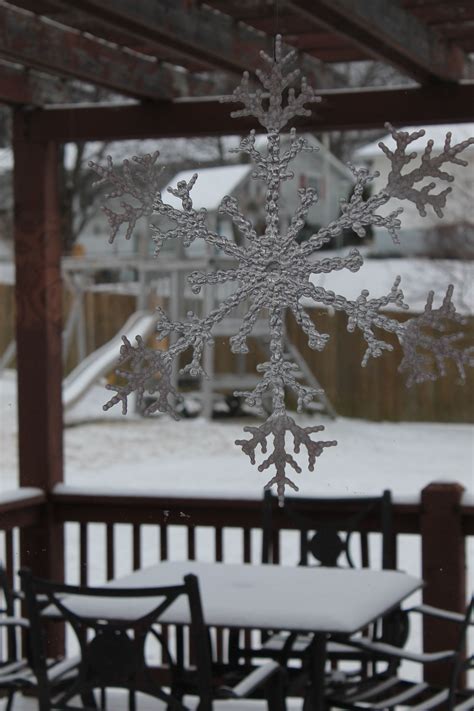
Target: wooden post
{"x":39,"y":339}
{"x":444,"y":569}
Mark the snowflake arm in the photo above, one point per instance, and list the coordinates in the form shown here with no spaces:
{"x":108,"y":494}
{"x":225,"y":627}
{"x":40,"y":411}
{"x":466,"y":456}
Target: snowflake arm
{"x":358,"y":213}
{"x":425,"y":352}
{"x":402,"y":185}
{"x":229,"y":206}
{"x":297,"y":145}
{"x":144,"y":363}
{"x":238,"y":343}
{"x":286,"y":375}
{"x":137,"y":181}
{"x":364,"y":314}
{"x":352,"y":261}
{"x":199,"y":279}
{"x":274,"y":81}
{"x":316,"y":341}
{"x":277,"y":426}
{"x":308,"y":197}
{"x":190,"y":223}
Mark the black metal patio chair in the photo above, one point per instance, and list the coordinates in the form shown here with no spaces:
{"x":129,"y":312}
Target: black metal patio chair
{"x":386,"y":690}
{"x":113,"y":654}
{"x":331,"y":542}
{"x":16,"y":673}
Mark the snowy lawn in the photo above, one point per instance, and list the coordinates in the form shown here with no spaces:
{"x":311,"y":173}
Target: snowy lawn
{"x":198,"y":458}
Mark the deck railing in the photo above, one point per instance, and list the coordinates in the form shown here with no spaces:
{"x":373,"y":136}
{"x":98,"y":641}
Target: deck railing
{"x":151,"y":528}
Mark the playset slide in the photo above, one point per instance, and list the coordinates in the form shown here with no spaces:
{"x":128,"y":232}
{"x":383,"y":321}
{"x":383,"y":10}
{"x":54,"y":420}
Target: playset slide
{"x":101,"y":361}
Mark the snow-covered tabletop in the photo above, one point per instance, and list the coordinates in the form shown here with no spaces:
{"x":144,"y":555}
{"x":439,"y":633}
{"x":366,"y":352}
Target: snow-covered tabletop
{"x":263,"y":596}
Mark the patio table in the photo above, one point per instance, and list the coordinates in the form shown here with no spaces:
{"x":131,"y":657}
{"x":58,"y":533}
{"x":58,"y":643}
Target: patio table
{"x":322,"y":601}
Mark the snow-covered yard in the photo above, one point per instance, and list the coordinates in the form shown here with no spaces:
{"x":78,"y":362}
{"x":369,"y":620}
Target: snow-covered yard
{"x":106,"y":451}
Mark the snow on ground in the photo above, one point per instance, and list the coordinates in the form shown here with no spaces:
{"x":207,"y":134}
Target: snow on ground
{"x":195,"y":457}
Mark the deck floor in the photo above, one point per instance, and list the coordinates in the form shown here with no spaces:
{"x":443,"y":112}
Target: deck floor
{"x":117,"y":701}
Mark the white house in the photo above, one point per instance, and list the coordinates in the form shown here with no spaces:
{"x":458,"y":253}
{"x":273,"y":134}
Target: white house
{"x":449,"y":236}
{"x":318,"y":168}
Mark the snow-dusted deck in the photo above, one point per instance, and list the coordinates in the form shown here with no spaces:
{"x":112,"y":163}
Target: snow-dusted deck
{"x":118,"y":701}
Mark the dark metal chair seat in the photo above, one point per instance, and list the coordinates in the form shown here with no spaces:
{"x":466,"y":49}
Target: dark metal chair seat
{"x":388,"y":691}
{"x":16,"y":674}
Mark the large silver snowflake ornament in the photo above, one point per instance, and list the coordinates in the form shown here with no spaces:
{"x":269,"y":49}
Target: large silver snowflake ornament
{"x":273,"y":272}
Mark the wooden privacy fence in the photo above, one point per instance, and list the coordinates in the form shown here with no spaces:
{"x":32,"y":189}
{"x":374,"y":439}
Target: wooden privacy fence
{"x":376,"y":392}
{"x":443,"y":517}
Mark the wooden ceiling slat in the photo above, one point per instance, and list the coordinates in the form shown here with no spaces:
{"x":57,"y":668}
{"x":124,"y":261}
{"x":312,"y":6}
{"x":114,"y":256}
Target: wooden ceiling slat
{"x":442,"y":11}
{"x":316,"y":40}
{"x":189,"y":32}
{"x":70,"y":16}
{"x":387,"y":32}
{"x":334,"y":56}
{"x":340,"y":110}
{"x":27,"y":39}
{"x":199,"y":34}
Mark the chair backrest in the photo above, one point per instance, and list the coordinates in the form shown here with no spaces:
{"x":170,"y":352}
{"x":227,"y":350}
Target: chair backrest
{"x":112,"y":651}
{"x":325,"y":534}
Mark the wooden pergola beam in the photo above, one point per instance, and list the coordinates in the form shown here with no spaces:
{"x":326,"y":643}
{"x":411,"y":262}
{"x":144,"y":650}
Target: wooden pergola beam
{"x":196,"y":33}
{"x":385,"y":31}
{"x":19,"y":86}
{"x":39,"y":337}
{"x":339,"y":110}
{"x":29,"y":39}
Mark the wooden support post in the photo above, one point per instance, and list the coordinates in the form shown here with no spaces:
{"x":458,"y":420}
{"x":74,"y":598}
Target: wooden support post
{"x":444,"y":569}
{"x":39,"y":339}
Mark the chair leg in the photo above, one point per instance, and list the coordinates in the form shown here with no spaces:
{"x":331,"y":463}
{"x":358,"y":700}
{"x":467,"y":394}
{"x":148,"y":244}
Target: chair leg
{"x":276,"y":692}
{"x":11,"y":696}
{"x":88,"y":699}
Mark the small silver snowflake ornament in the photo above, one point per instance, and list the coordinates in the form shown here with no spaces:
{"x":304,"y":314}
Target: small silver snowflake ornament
{"x":272,"y":272}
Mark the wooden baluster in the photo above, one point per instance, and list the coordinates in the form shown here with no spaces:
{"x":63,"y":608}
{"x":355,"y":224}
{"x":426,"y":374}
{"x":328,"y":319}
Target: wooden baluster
{"x":247,"y":549}
{"x":247,"y":557}
{"x":218,"y":544}
{"x":137,"y":547}
{"x":218,"y":555}
{"x":164,"y":556}
{"x":191,"y":542}
{"x":364,"y":548}
{"x":83,"y":554}
{"x":163,"y":541}
{"x":110,"y":551}
{"x":276,"y":546}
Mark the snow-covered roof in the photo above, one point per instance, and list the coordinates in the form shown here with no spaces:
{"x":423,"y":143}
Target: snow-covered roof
{"x":211,"y":186}
{"x":437,"y":133}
